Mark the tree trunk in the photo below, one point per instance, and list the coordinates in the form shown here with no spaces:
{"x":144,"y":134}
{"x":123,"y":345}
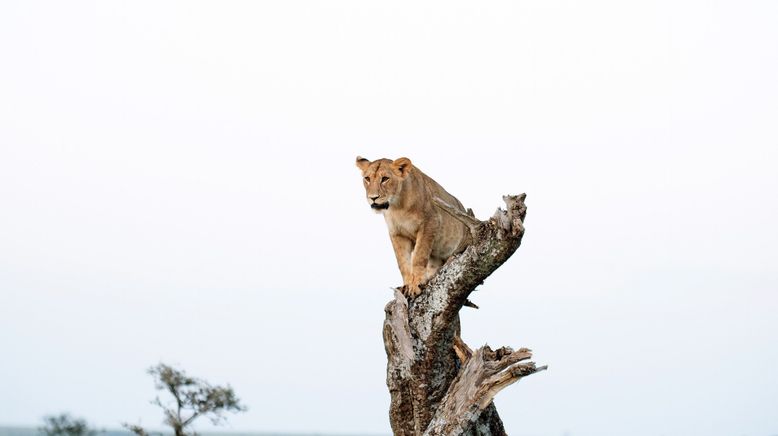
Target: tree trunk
{"x":438,"y":386}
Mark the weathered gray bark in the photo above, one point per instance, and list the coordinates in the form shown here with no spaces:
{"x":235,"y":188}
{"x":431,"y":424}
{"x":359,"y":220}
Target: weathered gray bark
{"x":437,"y":385}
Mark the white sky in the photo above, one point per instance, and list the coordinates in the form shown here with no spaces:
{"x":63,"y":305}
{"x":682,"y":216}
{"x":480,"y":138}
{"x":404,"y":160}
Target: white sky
{"x":177,"y":184}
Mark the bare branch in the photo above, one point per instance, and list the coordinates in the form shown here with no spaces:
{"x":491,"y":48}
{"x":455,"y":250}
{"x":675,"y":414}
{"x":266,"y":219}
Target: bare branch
{"x":485,"y":374}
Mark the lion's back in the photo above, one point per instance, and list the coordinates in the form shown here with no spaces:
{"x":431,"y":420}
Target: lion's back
{"x":453,"y":235}
{"x":434,"y":189}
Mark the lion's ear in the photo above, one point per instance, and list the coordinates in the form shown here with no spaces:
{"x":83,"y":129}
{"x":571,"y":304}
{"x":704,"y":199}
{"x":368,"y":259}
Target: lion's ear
{"x":402,"y":166}
{"x":362,"y":163}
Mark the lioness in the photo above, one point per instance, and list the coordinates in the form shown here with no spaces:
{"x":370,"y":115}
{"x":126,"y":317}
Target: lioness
{"x":423,"y":235}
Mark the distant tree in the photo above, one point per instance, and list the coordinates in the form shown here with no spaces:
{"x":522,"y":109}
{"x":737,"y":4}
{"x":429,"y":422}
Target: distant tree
{"x":65,"y":425}
{"x":138,"y":430}
{"x":192,"y":398}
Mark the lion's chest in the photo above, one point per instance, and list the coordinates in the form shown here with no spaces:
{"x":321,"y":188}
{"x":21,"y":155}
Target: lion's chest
{"x":402,"y":223}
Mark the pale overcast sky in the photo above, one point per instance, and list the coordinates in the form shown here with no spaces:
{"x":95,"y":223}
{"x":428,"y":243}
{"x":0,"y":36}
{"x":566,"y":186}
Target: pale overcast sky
{"x":177,"y":184}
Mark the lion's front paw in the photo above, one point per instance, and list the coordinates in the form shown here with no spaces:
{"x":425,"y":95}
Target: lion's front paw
{"x":412,"y":290}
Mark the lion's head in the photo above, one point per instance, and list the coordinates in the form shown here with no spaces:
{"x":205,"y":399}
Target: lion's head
{"x":383,"y":180}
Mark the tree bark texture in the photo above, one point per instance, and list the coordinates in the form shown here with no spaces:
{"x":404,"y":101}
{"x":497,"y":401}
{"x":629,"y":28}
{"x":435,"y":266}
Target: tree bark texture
{"x":438,"y":386}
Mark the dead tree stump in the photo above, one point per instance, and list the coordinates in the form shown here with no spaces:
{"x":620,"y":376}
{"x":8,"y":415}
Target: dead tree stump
{"x":438,"y":386}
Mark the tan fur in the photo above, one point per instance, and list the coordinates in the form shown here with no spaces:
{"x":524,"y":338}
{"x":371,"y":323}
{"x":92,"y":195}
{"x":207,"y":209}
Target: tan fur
{"x":423,"y":236}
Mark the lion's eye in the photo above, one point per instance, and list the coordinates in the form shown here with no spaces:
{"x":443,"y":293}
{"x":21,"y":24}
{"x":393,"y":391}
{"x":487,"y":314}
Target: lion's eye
{"x":384,"y":178}
{"x":367,"y":179}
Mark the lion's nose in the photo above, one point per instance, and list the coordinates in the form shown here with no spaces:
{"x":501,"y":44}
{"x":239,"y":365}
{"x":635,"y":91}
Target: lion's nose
{"x":374,"y":198}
